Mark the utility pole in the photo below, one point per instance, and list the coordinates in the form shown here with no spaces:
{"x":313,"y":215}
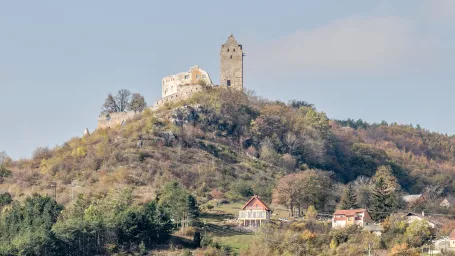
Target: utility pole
{"x":54,"y":186}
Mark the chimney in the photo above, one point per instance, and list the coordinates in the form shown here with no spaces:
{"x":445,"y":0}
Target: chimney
{"x":423,"y":214}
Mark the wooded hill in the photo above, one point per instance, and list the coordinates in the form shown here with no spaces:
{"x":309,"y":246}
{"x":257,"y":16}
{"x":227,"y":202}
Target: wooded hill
{"x":235,"y":144}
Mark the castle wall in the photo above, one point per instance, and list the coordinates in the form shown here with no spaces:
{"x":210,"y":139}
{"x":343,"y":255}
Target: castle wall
{"x":171,"y":84}
{"x":231,"y":67}
{"x":113,"y":119}
{"x":184,"y":92}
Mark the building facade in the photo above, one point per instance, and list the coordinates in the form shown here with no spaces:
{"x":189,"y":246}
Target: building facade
{"x":254,"y":213}
{"x":344,"y":218}
{"x":231,"y":66}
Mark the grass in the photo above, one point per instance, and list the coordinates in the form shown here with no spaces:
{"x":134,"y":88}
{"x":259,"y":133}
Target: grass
{"x":237,"y":242}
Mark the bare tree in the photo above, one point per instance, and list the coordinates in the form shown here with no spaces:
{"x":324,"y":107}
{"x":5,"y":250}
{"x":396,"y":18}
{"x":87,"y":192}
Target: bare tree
{"x":117,"y":103}
{"x":110,"y":106}
{"x":122,"y":99}
{"x":137,"y":103}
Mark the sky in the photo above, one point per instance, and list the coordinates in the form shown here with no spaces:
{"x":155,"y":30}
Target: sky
{"x":374,"y":60}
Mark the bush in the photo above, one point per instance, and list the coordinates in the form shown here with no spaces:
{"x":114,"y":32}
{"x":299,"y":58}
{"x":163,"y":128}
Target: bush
{"x":206,"y":241}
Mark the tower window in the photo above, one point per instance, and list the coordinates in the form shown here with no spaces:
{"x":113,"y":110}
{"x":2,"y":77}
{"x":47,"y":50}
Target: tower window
{"x":228,"y":82}
{"x":228,"y":50}
{"x":233,"y":50}
{"x":231,"y":57}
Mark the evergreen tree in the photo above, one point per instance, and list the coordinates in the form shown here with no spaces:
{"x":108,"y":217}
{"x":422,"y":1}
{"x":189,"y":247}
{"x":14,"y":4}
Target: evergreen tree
{"x":193,"y":209}
{"x":384,"y":201}
{"x":349,"y":199}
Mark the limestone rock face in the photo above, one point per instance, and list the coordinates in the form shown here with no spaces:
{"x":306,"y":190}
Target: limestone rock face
{"x":86,"y":132}
{"x":185,"y":114}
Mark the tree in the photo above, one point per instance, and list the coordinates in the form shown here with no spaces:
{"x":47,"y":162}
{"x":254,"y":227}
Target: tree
{"x":5,"y":199}
{"x":385,"y":172}
{"x":302,"y":189}
{"x":311,"y":213}
{"x":117,"y":103}
{"x":4,"y":172}
{"x":137,"y":103}
{"x":177,"y":203}
{"x":385,"y":199}
{"x":383,"y":203}
{"x":417,"y":233}
{"x":110,"y":106}
{"x":26,"y":227}
{"x":122,"y":99}
{"x":349,"y":199}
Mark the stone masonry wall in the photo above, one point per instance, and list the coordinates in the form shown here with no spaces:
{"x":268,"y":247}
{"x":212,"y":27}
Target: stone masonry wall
{"x":231,"y":67}
{"x":113,"y":119}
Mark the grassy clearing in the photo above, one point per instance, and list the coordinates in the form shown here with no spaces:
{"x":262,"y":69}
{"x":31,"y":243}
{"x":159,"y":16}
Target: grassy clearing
{"x":237,"y":242}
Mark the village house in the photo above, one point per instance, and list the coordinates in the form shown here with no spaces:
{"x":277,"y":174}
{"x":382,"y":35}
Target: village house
{"x":344,"y":218}
{"x":452,"y":239}
{"x":411,"y":217}
{"x":254,"y":213}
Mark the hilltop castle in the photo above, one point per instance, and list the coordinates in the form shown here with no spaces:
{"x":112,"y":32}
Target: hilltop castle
{"x":183,"y":85}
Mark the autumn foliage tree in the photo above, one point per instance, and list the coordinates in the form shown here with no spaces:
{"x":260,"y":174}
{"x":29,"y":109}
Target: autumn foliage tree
{"x":299,"y":190}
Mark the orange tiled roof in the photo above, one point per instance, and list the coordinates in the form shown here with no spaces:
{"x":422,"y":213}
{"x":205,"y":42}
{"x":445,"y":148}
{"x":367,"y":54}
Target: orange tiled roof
{"x":349,"y":212}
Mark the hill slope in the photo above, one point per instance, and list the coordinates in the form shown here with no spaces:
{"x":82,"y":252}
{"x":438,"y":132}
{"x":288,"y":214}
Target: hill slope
{"x":227,"y":142}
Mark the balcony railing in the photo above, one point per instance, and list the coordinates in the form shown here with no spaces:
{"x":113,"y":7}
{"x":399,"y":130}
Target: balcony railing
{"x":254,"y":215}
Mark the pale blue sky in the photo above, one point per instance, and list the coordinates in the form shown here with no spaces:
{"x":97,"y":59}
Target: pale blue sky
{"x":375,"y":60}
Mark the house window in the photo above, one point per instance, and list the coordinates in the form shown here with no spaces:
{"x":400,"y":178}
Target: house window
{"x":228,"y":50}
{"x":349,"y":218}
{"x":197,"y":76}
{"x":231,"y":57}
{"x":233,"y":50}
{"x":228,"y":82}
{"x":187,"y":76}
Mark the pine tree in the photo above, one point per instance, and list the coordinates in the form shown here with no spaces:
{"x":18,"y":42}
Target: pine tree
{"x":383,"y":201}
{"x":349,"y":199}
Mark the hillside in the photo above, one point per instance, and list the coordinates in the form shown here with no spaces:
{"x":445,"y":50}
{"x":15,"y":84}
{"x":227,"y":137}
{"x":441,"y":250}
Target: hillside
{"x":215,"y":150}
{"x":220,"y":139}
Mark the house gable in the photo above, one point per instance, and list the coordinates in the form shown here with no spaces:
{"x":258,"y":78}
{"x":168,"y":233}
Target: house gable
{"x":254,"y":203}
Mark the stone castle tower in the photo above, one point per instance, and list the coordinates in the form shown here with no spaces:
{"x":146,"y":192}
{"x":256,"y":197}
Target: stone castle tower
{"x":231,"y":68}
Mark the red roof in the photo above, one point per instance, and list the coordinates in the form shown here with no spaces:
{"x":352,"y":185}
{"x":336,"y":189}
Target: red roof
{"x":452,"y":235}
{"x":264,"y":205}
{"x":349,"y":212}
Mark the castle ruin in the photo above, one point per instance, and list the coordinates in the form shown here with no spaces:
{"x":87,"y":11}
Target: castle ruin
{"x":183,"y":85}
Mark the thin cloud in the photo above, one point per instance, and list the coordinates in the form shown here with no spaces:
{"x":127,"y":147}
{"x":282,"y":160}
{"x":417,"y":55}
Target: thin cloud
{"x":354,"y":44}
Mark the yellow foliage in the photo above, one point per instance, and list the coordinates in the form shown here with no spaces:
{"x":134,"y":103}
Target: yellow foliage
{"x":307,"y":235}
{"x":80,"y":151}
